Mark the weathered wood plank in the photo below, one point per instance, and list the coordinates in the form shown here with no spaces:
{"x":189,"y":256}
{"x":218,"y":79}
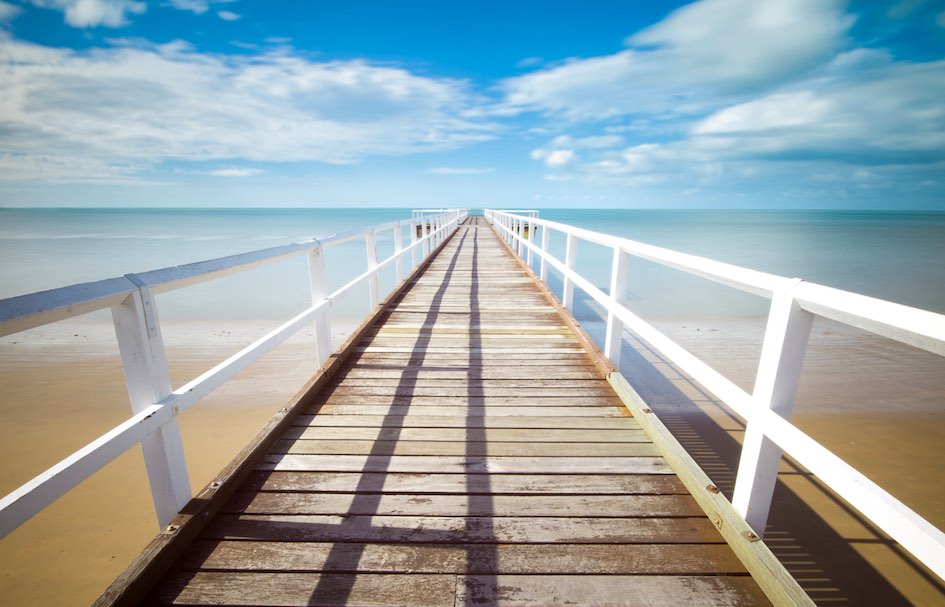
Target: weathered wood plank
{"x":476,"y":420}
{"x":593,"y":385}
{"x":450,"y":448}
{"x":510,"y":559}
{"x":614,"y":506}
{"x":637,"y":590}
{"x":521,"y":401}
{"x":384,"y":371}
{"x":460,"y":410}
{"x":492,"y":435}
{"x":472,"y":465}
{"x":291,"y":589}
{"x":522,"y":484}
{"x":462,"y":530}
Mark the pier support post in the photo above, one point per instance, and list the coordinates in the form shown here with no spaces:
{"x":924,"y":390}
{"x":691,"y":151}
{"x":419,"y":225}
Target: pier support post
{"x":318,"y":284}
{"x":146,"y":376}
{"x":618,"y":294}
{"x":570,"y":256}
{"x":779,"y":369}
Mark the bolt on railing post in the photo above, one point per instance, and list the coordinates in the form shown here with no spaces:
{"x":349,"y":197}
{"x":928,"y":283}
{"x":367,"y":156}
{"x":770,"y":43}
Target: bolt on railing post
{"x":319,"y":289}
{"x":543,"y":264}
{"x":779,"y":369}
{"x":618,"y":295}
{"x":144,"y":362}
{"x":370,"y":243}
{"x":570,"y":255}
{"x":398,"y":247}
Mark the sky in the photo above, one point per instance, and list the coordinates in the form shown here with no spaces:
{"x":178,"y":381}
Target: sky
{"x":782,"y":104}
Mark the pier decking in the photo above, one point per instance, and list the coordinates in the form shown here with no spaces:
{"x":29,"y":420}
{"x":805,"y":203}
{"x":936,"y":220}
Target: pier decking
{"x":467,"y":451}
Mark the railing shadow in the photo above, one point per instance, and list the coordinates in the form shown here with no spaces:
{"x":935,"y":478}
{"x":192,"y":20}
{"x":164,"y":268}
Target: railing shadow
{"x":336,"y":589}
{"x":826,"y":565}
{"x":481,"y":558}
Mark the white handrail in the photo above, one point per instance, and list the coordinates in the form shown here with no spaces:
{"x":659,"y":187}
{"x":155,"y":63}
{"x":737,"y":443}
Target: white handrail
{"x":154,"y":405}
{"x":767,"y":410}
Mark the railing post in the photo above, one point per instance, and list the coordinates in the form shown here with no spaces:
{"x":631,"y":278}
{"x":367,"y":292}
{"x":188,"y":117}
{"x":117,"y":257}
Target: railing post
{"x":318,"y":284}
{"x":779,"y":369}
{"x":426,"y":236}
{"x":414,"y":251}
{"x":398,"y":247}
{"x":531,"y":240}
{"x":618,"y":295}
{"x":146,"y":376}
{"x":370,"y":242}
{"x":570,"y":255}
{"x":543,"y":264}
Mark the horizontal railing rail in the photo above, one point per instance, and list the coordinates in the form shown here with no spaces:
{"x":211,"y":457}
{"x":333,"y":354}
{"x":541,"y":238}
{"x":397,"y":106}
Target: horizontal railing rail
{"x":155,"y":405}
{"x":767,"y":409}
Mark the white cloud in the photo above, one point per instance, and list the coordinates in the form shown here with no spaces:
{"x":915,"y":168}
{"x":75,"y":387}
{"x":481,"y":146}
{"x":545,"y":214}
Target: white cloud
{"x":891,"y":114}
{"x":236,"y":172}
{"x":128,"y":109}
{"x":198,"y":7}
{"x":460,"y":171}
{"x":228,"y":16}
{"x":559,"y":158}
{"x":93,"y":13}
{"x":702,"y":55}
{"x":8,"y":12}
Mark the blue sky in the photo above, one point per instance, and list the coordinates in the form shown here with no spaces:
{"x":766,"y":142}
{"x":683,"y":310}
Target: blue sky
{"x":710,"y":104}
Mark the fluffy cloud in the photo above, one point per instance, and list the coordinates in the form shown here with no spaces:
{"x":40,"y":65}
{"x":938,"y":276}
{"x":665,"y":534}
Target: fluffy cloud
{"x":702,"y":55}
{"x":122,"y":110}
{"x":8,"y":11}
{"x":93,"y":13}
{"x":727,"y":92}
{"x":228,"y":15}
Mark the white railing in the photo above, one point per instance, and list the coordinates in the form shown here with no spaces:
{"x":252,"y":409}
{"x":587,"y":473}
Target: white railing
{"x":154,"y":404}
{"x":768,"y":433}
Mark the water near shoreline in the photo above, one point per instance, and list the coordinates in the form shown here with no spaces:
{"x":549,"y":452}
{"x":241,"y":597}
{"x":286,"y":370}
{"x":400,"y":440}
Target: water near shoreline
{"x":894,"y":256}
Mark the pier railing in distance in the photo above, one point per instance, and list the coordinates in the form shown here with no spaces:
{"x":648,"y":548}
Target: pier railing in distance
{"x":767,"y":410}
{"x":155,"y":406}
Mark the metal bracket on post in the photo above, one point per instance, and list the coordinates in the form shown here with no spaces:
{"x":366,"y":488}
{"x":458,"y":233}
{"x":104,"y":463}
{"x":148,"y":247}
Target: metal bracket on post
{"x":146,"y":376}
{"x":318,"y":284}
{"x":570,"y":255}
{"x":370,"y":242}
{"x":618,"y":294}
{"x":779,"y":369}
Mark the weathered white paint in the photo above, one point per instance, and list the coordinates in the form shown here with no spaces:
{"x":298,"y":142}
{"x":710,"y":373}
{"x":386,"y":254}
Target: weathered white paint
{"x":767,"y":410}
{"x":154,"y":405}
{"x":146,"y":377}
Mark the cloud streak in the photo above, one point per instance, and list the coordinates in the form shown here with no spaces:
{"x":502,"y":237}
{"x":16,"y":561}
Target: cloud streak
{"x":130,"y":108}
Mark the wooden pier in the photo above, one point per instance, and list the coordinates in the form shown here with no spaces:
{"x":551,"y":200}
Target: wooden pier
{"x":464,"y":448}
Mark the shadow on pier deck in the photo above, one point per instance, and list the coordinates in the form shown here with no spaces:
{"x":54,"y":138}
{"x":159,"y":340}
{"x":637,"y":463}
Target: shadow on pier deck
{"x":465,"y":448}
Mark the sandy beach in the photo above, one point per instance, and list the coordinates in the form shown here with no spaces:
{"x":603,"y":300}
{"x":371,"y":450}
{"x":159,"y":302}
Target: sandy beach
{"x":879,"y":405}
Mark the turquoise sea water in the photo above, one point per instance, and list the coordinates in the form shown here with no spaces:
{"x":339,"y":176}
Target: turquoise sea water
{"x":894,"y":256}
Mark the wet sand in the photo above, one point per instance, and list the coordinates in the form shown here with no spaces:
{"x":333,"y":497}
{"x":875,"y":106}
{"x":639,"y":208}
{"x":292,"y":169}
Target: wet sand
{"x":879,"y":405}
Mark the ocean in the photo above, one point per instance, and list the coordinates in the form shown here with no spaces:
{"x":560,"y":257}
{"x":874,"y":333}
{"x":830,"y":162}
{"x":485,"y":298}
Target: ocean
{"x":890,"y":255}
